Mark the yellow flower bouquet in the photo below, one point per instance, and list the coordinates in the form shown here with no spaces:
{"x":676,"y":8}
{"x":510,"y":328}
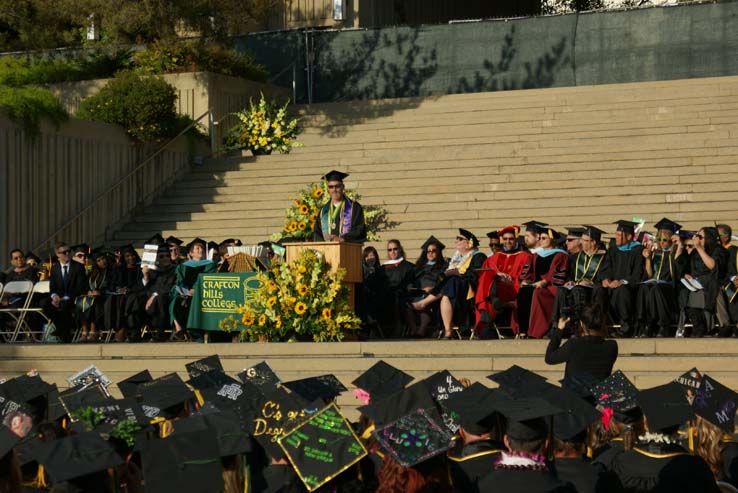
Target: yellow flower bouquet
{"x":298,"y":301}
{"x":263,"y":128}
{"x":300,"y":217}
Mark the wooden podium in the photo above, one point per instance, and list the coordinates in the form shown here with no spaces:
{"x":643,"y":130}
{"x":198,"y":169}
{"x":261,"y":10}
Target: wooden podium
{"x":346,"y":255}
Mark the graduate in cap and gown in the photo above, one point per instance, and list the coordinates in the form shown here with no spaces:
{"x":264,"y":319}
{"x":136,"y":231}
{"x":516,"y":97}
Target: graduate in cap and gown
{"x":656,"y":301}
{"x":341,"y":219}
{"x":90,"y":307}
{"x":498,"y":287}
{"x":540,"y":280}
{"x":181,"y":294}
{"x":126,"y":277}
{"x":626,"y":271}
{"x":426,"y":276}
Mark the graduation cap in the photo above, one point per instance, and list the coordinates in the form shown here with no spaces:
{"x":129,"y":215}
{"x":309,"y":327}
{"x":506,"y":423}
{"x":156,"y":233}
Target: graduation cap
{"x":593,"y":232}
{"x":627,"y":227}
{"x":514,"y":229}
{"x":209,"y":363}
{"x":277,"y":411}
{"x":99,"y":252}
{"x":442,"y":385}
{"x":157,"y":239}
{"x":390,"y":408}
{"x":81,"y":248}
{"x":575,"y":231}
{"x":173,"y":240}
{"x":413,"y":438}
{"x":685,"y":235}
{"x":517,"y":381}
{"x":665,"y":406}
{"x":324,"y":387}
{"x":229,"y":429}
{"x":526,"y":417}
{"x":213,"y":246}
{"x":183,"y":462}
{"x":432,"y":240}
{"x":469,"y":236}
{"x":211,"y":378}
{"x":493,"y":235}
{"x":229,"y":241}
{"x":162,"y":394}
{"x":690,"y":381}
{"x":716,"y":403}
{"x":129,"y":386}
{"x":619,"y":394}
{"x":30,"y":256}
{"x":81,"y":396}
{"x":577,"y":414}
{"x":26,"y":387}
{"x":381,"y":380}
{"x":78,"y":455}
{"x":116,"y":411}
{"x":334,"y":175}
{"x":473,"y":407}
{"x":261,"y":376}
{"x":536,"y":227}
{"x":668,"y":225}
{"x":197,"y":241}
{"x":8,"y":440}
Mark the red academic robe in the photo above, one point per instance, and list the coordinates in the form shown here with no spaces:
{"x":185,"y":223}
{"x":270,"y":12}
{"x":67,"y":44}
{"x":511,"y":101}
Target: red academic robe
{"x":506,"y":263}
{"x":541,"y":307}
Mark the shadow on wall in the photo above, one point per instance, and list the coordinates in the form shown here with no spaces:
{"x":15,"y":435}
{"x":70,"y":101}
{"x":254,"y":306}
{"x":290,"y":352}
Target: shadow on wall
{"x":499,"y":74}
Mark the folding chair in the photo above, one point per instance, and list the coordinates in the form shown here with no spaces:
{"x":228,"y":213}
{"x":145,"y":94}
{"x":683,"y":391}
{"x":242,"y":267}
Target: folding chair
{"x":15,"y":289}
{"x":41,"y":287}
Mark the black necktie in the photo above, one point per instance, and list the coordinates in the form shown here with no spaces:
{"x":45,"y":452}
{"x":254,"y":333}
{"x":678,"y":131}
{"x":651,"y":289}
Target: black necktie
{"x":64,"y":274}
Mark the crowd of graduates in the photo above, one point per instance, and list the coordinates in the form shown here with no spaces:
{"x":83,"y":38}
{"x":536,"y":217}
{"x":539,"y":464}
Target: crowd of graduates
{"x":668,"y":283}
{"x":216,"y":433}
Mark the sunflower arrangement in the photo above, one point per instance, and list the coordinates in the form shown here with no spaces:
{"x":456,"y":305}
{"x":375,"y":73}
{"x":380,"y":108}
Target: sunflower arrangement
{"x":299,"y":300}
{"x":263,"y":128}
{"x":300,"y":217}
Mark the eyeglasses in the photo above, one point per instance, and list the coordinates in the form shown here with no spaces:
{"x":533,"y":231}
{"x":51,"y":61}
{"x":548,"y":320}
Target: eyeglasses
{"x":79,"y":255}
{"x":508,"y":238}
{"x":723,"y":235}
{"x":569,"y":240}
{"x":431,"y":251}
{"x":64,"y":252}
{"x":460,"y":238}
{"x":701,"y":237}
{"x":333,"y":187}
{"x":689,"y":245}
{"x":392,"y":249}
{"x":662,"y":239}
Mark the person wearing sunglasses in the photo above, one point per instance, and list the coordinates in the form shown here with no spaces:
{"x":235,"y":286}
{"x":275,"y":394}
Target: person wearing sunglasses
{"x":494,"y":242}
{"x":656,"y":300}
{"x":341,"y":219}
{"x":701,"y":281}
{"x":499,"y":286}
{"x":399,"y":274}
{"x":426,"y":274}
{"x":67,"y":281}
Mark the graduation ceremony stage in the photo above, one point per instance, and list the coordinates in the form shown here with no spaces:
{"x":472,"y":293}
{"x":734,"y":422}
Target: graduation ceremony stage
{"x":647,"y":362}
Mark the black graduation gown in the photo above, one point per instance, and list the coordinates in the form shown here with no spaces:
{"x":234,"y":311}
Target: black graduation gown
{"x":371,"y":304}
{"x":607,"y":453}
{"x":656,"y":302}
{"x":582,"y":267}
{"x":357,"y":230}
{"x":730,"y":463}
{"x":399,"y":278}
{"x":125,"y":276}
{"x":422,"y":322}
{"x":663,"y":468}
{"x":586,"y":476}
{"x":523,"y":480}
{"x":624,"y":265}
{"x":472,"y":462}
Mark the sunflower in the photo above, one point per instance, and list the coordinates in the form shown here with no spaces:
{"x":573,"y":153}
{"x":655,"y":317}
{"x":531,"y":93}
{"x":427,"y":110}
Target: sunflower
{"x":313,"y":217}
{"x":302,"y":289}
{"x":272,"y":286}
{"x":262,"y":320}
{"x":327,"y":313}
{"x":271,"y":301}
{"x":300,"y":308}
{"x":292,"y":227}
{"x":298,"y":203}
{"x":301,"y":225}
{"x":318,"y":192}
{"x":248,"y":318}
{"x":304,"y":209}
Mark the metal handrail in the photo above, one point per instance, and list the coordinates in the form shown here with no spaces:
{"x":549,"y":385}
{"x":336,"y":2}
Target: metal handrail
{"x":118,"y":183}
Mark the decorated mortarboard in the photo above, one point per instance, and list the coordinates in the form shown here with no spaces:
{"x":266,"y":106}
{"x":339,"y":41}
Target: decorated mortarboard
{"x":413,"y":438}
{"x":8,"y":440}
{"x":443,"y":386}
{"x":627,"y":227}
{"x":516,"y":381}
{"x":381,"y":380}
{"x":239,"y":398}
{"x":279,"y":410}
{"x":536,"y":227}
{"x":182,"y":462}
{"x":617,"y":396}
{"x":197,"y":241}
{"x":87,"y":376}
{"x":75,"y":456}
{"x":173,"y":240}
{"x":157,"y":239}
{"x":81,"y":396}
{"x":473,"y":407}
{"x":575,"y":231}
{"x":665,"y":406}
{"x":230,"y":430}
{"x":334,"y":175}
{"x":668,"y":225}
{"x":116,"y":411}
{"x":577,"y":415}
{"x":432,"y":240}
{"x":593,"y":232}
{"x":492,"y":235}
{"x":322,"y":447}
{"x":324,"y":387}
{"x":203,"y":365}
{"x":691,"y":381}
{"x":261,"y":376}
{"x":716,"y":403}
{"x":159,"y":395}
{"x":392,"y":407}
{"x":211,"y":378}
{"x":526,"y":416}
{"x":129,"y":386}
{"x":469,"y":236}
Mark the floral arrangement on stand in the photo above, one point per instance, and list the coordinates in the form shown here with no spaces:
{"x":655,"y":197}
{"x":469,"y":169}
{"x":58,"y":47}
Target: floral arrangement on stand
{"x":263,"y":128}
{"x":298,"y":301}
{"x":301,"y":216}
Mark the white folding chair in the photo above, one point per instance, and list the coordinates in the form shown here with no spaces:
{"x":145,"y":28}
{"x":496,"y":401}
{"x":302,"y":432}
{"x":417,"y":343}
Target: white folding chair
{"x":41,"y":287}
{"x":15,"y":290}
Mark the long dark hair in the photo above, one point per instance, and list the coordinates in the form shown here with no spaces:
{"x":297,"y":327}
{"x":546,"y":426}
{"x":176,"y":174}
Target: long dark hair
{"x":712,"y":241}
{"x":423,"y":259}
{"x":592,"y":317}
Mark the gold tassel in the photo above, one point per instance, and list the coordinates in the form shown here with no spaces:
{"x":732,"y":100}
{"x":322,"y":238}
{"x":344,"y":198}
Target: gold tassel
{"x":590,"y":452}
{"x":368,"y":432}
{"x":690,"y":434}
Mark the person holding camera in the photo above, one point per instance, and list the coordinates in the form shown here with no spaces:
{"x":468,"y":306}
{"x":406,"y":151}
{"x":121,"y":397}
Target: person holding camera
{"x":589,"y":357}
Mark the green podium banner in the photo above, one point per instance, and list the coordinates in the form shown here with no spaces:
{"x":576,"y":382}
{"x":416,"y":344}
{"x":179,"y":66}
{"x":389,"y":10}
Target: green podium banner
{"x":217,"y":296}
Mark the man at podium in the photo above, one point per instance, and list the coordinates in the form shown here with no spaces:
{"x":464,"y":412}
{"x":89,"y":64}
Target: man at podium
{"x":341,"y":219}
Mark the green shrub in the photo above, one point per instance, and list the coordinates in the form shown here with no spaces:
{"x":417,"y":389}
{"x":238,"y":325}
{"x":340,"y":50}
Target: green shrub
{"x":18,"y":71}
{"x":26,"y":106}
{"x":165,"y":57}
{"x":143,"y":105}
